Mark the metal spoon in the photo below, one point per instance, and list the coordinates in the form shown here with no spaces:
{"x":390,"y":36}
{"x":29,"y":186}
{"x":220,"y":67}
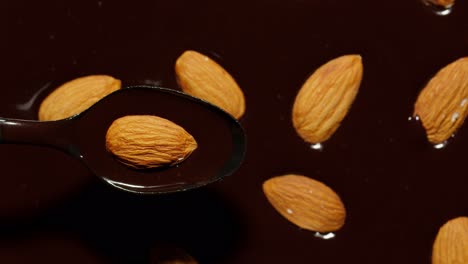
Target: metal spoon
{"x":221,"y":139}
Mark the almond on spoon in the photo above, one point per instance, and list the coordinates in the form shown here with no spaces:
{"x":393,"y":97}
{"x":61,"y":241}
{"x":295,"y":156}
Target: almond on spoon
{"x":145,"y":141}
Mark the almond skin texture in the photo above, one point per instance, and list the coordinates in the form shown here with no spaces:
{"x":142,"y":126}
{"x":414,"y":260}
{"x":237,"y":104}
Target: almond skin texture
{"x":451,"y":243}
{"x":202,"y":77}
{"x":443,"y":104}
{"x":144,"y":141}
{"x":76,"y":96}
{"x":305,"y":202}
{"x":325,"y":98}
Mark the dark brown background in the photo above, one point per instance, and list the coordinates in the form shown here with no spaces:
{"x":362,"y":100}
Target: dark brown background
{"x":397,"y":189}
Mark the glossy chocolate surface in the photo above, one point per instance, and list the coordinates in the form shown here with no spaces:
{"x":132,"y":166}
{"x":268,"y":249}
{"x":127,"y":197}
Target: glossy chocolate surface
{"x":397,"y":189}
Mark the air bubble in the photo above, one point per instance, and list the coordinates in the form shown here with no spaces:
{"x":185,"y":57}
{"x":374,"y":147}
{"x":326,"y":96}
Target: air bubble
{"x":317,"y":146}
{"x":325,"y":236}
{"x":441,"y":145}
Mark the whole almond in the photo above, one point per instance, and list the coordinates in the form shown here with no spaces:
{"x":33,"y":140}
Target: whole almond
{"x":305,"y":202}
{"x":144,"y":141}
{"x":443,"y":104}
{"x":202,"y":77}
{"x":451,"y":243}
{"x":325,"y":98}
{"x":76,"y":96}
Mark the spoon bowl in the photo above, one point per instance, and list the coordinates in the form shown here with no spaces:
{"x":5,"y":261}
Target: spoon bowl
{"x":221,"y":139}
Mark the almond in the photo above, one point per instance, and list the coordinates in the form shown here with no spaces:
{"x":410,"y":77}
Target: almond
{"x":451,"y":243}
{"x":76,"y":96}
{"x":325,"y":98}
{"x":144,"y":141}
{"x":202,"y":77}
{"x":443,"y":104}
{"x":305,"y":202}
{"x":443,"y":3}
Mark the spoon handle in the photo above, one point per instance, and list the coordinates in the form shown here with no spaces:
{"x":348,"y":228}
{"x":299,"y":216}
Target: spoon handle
{"x":50,"y":133}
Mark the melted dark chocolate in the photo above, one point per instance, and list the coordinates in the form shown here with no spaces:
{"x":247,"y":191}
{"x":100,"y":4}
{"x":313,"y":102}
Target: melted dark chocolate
{"x":398,"y":190}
